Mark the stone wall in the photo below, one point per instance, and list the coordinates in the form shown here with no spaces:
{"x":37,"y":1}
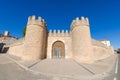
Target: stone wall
{"x":78,"y":43}
{"x":58,"y":33}
{"x":101,"y":51}
{"x":62,"y":36}
{"x":16,"y":48}
{"x":81,"y":41}
{"x":34,"y":43}
{"x":7,"y":40}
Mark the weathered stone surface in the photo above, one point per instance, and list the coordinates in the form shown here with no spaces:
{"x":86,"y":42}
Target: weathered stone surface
{"x":78,"y":45}
{"x":34,"y":43}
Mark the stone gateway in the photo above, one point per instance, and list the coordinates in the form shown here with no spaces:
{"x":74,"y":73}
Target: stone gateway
{"x":76,"y":44}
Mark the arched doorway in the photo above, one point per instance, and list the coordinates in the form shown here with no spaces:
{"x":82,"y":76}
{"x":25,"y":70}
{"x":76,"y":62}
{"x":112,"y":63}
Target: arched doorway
{"x":58,"y":50}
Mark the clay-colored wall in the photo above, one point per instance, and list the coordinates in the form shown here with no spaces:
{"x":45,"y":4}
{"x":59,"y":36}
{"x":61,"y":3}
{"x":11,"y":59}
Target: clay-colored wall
{"x":16,"y":49}
{"x":34,"y":45}
{"x":65,"y":40}
{"x":81,"y":41}
{"x":45,"y":34}
{"x":102,"y":52}
{"x":78,"y":43}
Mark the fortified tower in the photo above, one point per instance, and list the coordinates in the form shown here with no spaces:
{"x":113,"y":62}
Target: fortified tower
{"x":35,"y":39}
{"x":81,"y":41}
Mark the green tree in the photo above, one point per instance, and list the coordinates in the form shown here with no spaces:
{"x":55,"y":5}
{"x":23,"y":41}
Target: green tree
{"x":24,"y":31}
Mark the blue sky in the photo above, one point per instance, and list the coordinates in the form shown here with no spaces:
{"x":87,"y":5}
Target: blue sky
{"x":104,"y":16}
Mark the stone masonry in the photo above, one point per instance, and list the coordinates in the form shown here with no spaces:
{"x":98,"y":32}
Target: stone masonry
{"x":76,"y":44}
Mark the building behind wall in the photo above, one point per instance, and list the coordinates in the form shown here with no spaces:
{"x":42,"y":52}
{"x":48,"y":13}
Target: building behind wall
{"x":5,"y":40}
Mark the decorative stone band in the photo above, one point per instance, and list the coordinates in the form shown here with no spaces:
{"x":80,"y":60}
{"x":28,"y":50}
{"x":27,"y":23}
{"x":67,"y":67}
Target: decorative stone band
{"x":77,"y":22}
{"x":59,"y":33}
{"x":33,"y":21}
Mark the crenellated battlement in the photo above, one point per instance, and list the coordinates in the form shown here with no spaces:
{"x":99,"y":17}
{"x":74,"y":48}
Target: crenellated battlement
{"x":33,"y":21}
{"x":59,"y":33}
{"x":80,"y":22}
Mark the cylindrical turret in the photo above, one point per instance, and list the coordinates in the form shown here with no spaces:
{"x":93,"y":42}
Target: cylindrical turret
{"x":35,"y":39}
{"x":81,"y":41}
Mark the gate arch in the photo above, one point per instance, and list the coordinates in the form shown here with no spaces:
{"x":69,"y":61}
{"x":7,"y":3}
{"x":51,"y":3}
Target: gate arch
{"x":58,"y":49}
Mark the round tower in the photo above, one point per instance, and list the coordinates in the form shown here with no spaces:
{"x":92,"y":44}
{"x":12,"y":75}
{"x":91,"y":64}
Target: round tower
{"x":81,"y":41}
{"x":35,"y":39}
